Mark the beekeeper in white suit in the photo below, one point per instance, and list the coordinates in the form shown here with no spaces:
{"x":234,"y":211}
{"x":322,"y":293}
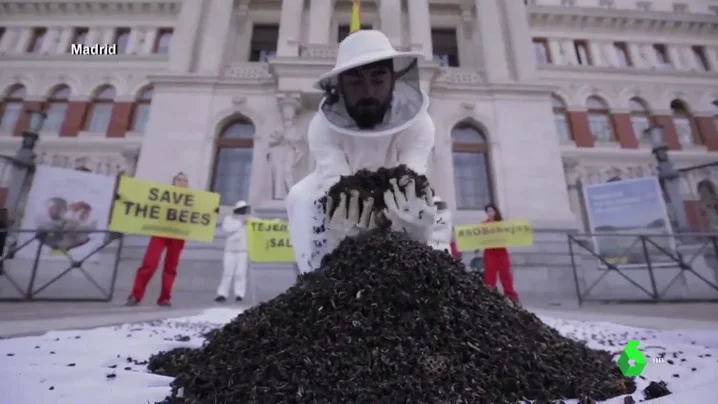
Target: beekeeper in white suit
{"x":373,"y":114}
{"x":235,"y":254}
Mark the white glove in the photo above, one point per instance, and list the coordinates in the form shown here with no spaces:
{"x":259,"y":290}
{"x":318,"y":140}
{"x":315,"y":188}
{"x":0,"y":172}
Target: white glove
{"x":347,"y":223}
{"x":409,"y":213}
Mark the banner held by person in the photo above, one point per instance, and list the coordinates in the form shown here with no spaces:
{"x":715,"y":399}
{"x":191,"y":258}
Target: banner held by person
{"x":67,"y":208}
{"x":268,"y":241}
{"x":506,"y":233}
{"x":156,"y":209}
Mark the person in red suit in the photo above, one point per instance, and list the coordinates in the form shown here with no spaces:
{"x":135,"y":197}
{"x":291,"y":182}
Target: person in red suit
{"x":455,"y":250}
{"x":496,"y":261}
{"x":151,"y":261}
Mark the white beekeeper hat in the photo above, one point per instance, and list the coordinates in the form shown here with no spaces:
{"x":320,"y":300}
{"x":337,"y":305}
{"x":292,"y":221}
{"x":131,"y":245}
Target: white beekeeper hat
{"x":240,"y":205}
{"x":362,"y":48}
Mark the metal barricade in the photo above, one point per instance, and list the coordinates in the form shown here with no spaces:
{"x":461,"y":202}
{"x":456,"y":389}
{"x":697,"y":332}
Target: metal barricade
{"x":33,"y":271}
{"x":645,"y":267}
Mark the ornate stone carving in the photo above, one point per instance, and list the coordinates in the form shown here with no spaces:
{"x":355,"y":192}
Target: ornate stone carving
{"x":287,"y":147}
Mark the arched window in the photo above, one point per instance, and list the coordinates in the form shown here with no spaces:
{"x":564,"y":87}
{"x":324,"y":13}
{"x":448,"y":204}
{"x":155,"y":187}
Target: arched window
{"x":560,"y":118}
{"x":599,"y":120}
{"x":640,"y":117}
{"x":11,"y":108}
{"x":163,"y":42}
{"x":141,"y":110}
{"x":472,"y":180}
{"x":102,"y":104}
{"x":233,"y":163}
{"x":57,"y":104}
{"x":683,"y":121}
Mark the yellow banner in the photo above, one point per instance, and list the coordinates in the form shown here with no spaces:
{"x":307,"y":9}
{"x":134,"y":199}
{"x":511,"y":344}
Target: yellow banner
{"x":268,"y":241}
{"x":155,"y":209}
{"x":507,"y":233}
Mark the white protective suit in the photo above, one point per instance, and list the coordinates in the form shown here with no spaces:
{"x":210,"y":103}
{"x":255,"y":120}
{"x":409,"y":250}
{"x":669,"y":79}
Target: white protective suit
{"x":339,"y":147}
{"x":235,"y":254}
{"x":442,"y":231}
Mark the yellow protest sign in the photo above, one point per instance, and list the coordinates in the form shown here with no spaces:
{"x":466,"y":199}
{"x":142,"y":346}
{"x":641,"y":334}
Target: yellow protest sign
{"x":268,"y":241}
{"x":506,"y":233}
{"x":156,"y":209}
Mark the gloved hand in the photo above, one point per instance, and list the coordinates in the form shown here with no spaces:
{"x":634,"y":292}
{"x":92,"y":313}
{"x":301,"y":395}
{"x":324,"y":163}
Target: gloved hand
{"x":409,"y":213}
{"x":347,"y":222}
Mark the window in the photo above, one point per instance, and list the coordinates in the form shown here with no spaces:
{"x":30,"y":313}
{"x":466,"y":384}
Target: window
{"x":233,"y":163}
{"x":122,"y":39}
{"x":343,"y":31}
{"x":640,"y":117}
{"x":37,"y":40}
{"x":621,"y":49}
{"x":264,"y":43}
{"x":599,"y":120}
{"x":582,"y":55}
{"x":560,"y":118}
{"x":683,"y":121}
{"x":446,"y":48}
{"x":699,"y":53}
{"x":163,"y":41}
{"x":102,"y":104}
{"x":57,"y":104}
{"x":79,"y":36}
{"x":662,"y":56}
{"x":471,"y":167}
{"x":141,"y":110}
{"x":541,"y":51}
{"x":11,"y":108}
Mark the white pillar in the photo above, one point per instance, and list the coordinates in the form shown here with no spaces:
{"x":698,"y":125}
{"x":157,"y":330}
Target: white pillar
{"x":650,"y":56}
{"x":569,"y":52}
{"x":134,"y":40}
{"x":8,"y":39}
{"x":557,"y":54}
{"x":215,"y":36}
{"x":390,"y":17}
{"x":94,"y":35}
{"x":636,"y":55}
{"x":149,"y":43}
{"x":185,"y":36}
{"x":420,"y":28}
{"x":611,"y":55}
{"x":49,"y":45}
{"x":108,"y":36}
{"x":492,"y":39}
{"x":520,"y":37}
{"x":320,"y":21}
{"x":594,"y":50}
{"x":23,"y":40}
{"x":674,"y":55}
{"x":66,"y":36}
{"x":689,"y":59}
{"x":290,"y":28}
{"x":712,"y":57}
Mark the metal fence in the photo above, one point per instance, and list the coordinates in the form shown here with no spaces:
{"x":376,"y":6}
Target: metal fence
{"x":644,"y":267}
{"x":34,"y":270}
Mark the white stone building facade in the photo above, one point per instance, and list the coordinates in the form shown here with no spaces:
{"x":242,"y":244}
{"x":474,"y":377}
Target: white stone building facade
{"x":530,"y":100}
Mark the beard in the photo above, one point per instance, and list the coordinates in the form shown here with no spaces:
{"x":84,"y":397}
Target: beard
{"x":368,"y":113}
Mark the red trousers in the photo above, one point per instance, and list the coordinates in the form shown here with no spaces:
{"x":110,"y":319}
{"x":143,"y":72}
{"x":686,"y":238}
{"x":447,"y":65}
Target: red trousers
{"x":150,"y":263}
{"x":497,"y":263}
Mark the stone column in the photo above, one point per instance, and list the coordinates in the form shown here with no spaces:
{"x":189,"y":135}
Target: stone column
{"x":634,"y":52}
{"x":8,"y":40}
{"x":214,"y":37}
{"x":594,"y":50}
{"x":108,"y":36}
{"x":611,"y":57}
{"x":134,"y":40}
{"x":185,"y":36}
{"x":390,"y":17}
{"x":149,"y":43}
{"x":520,"y":39}
{"x":94,"y":35}
{"x":320,"y":21}
{"x":23,"y":40}
{"x":290,"y":28}
{"x":63,"y":43}
{"x":674,"y":55}
{"x":557,"y":55}
{"x":420,"y":28}
{"x":492,"y":39}
{"x":49,"y":45}
{"x":712,"y":57}
{"x":569,"y":52}
{"x":649,"y":56}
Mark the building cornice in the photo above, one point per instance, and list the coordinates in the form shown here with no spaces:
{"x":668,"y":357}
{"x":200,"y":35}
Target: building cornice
{"x":631,"y":73}
{"x":622,"y":20}
{"x":34,"y":8}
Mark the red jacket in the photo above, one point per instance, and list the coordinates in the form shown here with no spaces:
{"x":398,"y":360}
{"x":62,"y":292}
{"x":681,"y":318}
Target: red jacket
{"x":455,"y":251}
